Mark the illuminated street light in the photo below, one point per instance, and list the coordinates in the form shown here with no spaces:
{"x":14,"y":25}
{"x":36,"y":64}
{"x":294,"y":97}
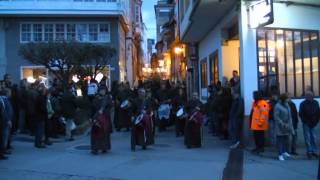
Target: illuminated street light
{"x":178,"y":50}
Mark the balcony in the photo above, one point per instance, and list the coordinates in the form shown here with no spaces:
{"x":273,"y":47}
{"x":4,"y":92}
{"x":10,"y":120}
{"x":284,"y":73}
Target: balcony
{"x":63,"y":8}
{"x":205,"y":14}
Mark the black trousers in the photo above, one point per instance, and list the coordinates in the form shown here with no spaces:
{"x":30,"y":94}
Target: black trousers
{"x":259,"y":139}
{"x":40,"y":128}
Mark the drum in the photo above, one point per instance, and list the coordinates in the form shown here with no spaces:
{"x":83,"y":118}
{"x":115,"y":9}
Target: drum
{"x":124,"y":104}
{"x":138,"y":119}
{"x":180,"y":112}
{"x":164,"y":111}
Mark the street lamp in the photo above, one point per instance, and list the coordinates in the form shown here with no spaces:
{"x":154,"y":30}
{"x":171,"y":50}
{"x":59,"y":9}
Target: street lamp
{"x":178,"y":50}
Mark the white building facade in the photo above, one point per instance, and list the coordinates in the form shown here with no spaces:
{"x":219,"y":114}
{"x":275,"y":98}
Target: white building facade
{"x":282,"y":56}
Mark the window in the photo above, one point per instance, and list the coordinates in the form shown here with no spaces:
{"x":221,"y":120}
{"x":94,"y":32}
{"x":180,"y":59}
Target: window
{"x":48,"y":32}
{"x":82,"y":32}
{"x":71,"y":32}
{"x":288,"y":61}
{"x":104,"y":35}
{"x":37,"y":32}
{"x":214,"y":68}
{"x":26,"y":32}
{"x":93,"y":32}
{"x":60,"y":32}
{"x":203,"y":69}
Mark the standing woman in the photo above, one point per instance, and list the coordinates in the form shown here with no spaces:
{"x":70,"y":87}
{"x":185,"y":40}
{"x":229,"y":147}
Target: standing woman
{"x":283,"y":125}
{"x":193,"y":133}
{"x":101,"y":123}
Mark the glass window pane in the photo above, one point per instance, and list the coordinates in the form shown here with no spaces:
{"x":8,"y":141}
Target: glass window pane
{"x":298,"y":61}
{"x":93,"y":32}
{"x":48,"y":32}
{"x":26,"y":32}
{"x":104,"y":34}
{"x":82,"y":32}
{"x":306,"y":61}
{"x":281,"y":61}
{"x":272,"y":69}
{"x":262,"y":57}
{"x":290,"y":65}
{"x":315,"y":62}
{"x":37,"y":32}
{"x":60,"y":32}
{"x":71,"y":32}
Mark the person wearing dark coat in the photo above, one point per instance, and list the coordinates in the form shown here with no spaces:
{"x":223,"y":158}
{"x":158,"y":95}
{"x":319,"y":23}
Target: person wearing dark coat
{"x":163,"y":98}
{"x":32,"y":94}
{"x":179,"y":101}
{"x":142,"y":131}
{"x":193,"y":131}
{"x":221,"y":108}
{"x":309,"y":113}
{"x":101,"y":123}
{"x":6,"y":122}
{"x":41,"y":115}
{"x":69,"y":107}
{"x":23,"y":105}
{"x":295,"y":120}
{"x":124,"y":116}
{"x":271,"y":130}
{"x":236,"y":117}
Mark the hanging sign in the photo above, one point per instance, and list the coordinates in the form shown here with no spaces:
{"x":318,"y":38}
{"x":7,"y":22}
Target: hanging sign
{"x":260,"y":13}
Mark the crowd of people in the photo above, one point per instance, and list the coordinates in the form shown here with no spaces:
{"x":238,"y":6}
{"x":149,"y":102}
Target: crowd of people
{"x":280,"y":117}
{"x":49,"y":113}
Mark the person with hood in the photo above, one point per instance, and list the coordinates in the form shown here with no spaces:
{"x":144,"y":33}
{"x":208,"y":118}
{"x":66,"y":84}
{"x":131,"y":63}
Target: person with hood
{"x":259,"y":117}
{"x":193,"y":131}
{"x":101,"y":122}
{"x":309,"y":113}
{"x":283,"y":125}
{"x":142,"y":130}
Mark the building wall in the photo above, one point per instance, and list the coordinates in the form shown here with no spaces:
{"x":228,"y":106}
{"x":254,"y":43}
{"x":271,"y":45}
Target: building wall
{"x":3,"y":56}
{"x":292,"y":17}
{"x":12,"y":42}
{"x":212,"y":43}
{"x":230,"y":58}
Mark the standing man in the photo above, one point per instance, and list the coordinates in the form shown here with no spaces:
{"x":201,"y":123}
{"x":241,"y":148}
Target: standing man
{"x":295,"y":120}
{"x":271,"y":130}
{"x":309,"y":113}
{"x":6,"y":122}
{"x":236,"y":117}
{"x":41,"y":115}
{"x":259,"y":120}
{"x":69,"y":107}
{"x":235,"y":80}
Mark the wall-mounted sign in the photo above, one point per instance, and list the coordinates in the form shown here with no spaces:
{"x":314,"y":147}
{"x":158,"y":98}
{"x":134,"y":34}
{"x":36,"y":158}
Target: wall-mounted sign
{"x":260,"y":13}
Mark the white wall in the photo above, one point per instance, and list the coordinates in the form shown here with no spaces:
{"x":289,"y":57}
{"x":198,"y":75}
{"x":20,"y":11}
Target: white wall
{"x":230,"y":58}
{"x":293,"y":17}
{"x":211,"y":43}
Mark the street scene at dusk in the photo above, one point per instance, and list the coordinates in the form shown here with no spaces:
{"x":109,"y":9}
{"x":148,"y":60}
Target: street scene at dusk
{"x":159,"y":89}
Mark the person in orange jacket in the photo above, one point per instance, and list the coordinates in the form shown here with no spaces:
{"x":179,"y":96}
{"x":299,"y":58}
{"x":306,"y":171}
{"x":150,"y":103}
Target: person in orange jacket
{"x":259,"y":117}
